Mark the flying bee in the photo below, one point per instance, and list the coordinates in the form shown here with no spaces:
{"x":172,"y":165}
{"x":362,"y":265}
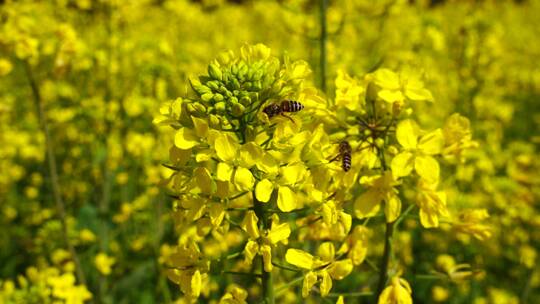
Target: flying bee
{"x":286,"y":106}
{"x":345,"y":153}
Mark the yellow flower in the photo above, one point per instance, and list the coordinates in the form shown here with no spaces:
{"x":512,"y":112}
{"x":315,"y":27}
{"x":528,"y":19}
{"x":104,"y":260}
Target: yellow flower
{"x":418,"y":153}
{"x":381,"y":189}
{"x":5,"y":67}
{"x":87,"y":236}
{"x":235,"y":161}
{"x":455,"y":272}
{"x":356,"y":245}
{"x":432,"y":204}
{"x":398,"y":292}
{"x":103,"y":263}
{"x":469,"y":222}
{"x":234,"y":295}
{"x":439,"y":294}
{"x":285,"y":181}
{"x":262,"y":241}
{"x":349,"y":92}
{"x":324,"y":267}
{"x":397,"y":88}
{"x":189,"y":269}
{"x":457,"y":137}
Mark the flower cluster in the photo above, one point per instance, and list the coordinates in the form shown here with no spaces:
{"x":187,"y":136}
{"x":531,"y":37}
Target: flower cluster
{"x":244,"y":160}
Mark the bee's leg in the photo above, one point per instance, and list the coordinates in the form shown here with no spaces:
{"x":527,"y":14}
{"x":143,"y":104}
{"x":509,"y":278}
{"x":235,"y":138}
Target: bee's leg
{"x":334,"y":159}
{"x":292,"y":120}
{"x":332,"y":195}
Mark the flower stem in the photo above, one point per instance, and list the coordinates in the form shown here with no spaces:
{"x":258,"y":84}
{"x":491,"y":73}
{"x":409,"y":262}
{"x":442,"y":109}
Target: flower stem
{"x":389,"y":232}
{"x":53,"y":171}
{"x":383,"y":273}
{"x":261,"y":210}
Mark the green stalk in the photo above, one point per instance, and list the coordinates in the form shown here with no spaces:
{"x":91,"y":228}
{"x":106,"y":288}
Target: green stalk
{"x":323,"y":4}
{"x":53,"y":171}
{"x":383,"y":272}
{"x":266,"y":277}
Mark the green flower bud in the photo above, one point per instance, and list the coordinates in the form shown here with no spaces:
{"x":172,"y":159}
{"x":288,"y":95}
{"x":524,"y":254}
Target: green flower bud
{"x":214,"y":121}
{"x":234,"y":70}
{"x":238,"y":109}
{"x":392,"y":150}
{"x":218,"y":97}
{"x":214,"y":71}
{"x":213,"y":84}
{"x":220,"y":107}
{"x":242,"y":70}
{"x":257,"y":85}
{"x":258,"y":75}
{"x":379,"y":142}
{"x":190,"y":107}
{"x":367,"y":132}
{"x":223,"y":90}
{"x":201,"y":89}
{"x":371,"y":93}
{"x":235,"y":84}
{"x":207,"y":97}
{"x":351,"y":120}
{"x":337,"y":136}
{"x":245,"y":100}
{"x":233,"y":100}
{"x":199,"y":108}
{"x":254,"y":96}
{"x":251,"y":132}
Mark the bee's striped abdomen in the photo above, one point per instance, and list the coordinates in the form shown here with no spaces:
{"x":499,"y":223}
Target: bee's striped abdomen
{"x":346,"y":162}
{"x":291,"y":106}
{"x":346,"y":157}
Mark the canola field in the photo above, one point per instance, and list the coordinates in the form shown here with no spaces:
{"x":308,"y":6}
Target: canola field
{"x":259,"y":151}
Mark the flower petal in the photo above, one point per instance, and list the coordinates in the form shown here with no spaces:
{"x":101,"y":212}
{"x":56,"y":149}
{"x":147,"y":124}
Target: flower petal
{"x":263,"y":190}
{"x":286,"y":199}
{"x":432,"y":143}
{"x":279,"y":233}
{"x":299,"y":258}
{"x":402,"y":164}
{"x":226,"y":147}
{"x":392,"y":208}
{"x":243,"y":179}
{"x":428,"y":168}
{"x":185,"y":139}
{"x":367,"y":204}
{"x":224,"y":172}
{"x":407,"y":133}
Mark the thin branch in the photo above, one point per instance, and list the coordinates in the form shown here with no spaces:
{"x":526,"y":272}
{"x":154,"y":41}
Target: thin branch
{"x":53,"y":171}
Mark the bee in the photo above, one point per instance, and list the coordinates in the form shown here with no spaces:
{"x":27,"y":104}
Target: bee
{"x":286,"y":106}
{"x":345,"y":153}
